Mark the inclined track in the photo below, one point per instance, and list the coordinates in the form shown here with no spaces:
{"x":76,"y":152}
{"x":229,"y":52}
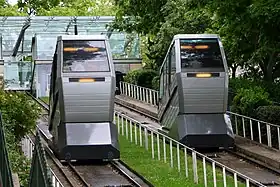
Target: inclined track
{"x":113,"y":173}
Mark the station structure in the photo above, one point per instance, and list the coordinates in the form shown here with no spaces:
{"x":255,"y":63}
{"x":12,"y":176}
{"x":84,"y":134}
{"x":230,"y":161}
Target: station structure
{"x":29,"y":42}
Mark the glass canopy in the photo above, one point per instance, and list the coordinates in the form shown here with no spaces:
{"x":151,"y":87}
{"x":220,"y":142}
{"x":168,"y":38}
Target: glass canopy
{"x":46,"y":29}
{"x":18,"y":34}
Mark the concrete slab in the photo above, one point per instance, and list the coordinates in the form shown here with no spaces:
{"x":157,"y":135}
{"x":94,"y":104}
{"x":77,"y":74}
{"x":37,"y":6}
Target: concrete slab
{"x":138,"y":105}
{"x":259,"y":152}
{"x":43,"y":126}
{"x":142,"y":119}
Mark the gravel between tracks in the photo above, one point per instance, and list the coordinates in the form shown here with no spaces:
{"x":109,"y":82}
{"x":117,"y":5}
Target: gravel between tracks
{"x":101,"y":175}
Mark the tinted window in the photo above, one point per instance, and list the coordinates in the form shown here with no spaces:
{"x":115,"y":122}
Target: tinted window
{"x":85,"y":56}
{"x":173,"y":60}
{"x":197,"y":54}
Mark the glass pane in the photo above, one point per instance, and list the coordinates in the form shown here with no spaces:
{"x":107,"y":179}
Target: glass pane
{"x":41,"y":81}
{"x":197,"y":54}
{"x":45,"y":47}
{"x":85,"y":56}
{"x":17,"y":75}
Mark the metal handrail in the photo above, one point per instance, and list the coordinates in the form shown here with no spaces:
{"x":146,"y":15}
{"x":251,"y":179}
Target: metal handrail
{"x":28,"y":145}
{"x":250,"y":128}
{"x":153,"y":141}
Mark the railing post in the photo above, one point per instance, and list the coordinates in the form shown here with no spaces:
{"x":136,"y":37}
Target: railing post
{"x":140,"y":93}
{"x":129,"y":90}
{"x":151,"y":96}
{"x":121,"y":87}
{"x":150,"y":134}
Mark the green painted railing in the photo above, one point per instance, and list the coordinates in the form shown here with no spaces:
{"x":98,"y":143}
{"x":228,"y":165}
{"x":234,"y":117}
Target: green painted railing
{"x":40,"y":172}
{"x":6,"y":179}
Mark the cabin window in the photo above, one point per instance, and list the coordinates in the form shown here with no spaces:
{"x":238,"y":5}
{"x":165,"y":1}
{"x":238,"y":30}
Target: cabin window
{"x":201,"y":55}
{"x":85,"y":56}
{"x":173,"y":60}
{"x":161,"y":87}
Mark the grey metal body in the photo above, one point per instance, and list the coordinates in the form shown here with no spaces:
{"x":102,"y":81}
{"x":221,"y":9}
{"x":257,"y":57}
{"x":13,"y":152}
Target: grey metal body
{"x":193,"y":109}
{"x":81,"y":113}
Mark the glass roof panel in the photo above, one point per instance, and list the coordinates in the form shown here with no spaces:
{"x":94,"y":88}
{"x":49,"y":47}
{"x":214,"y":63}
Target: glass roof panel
{"x":48,"y":28}
{"x":46,"y":46}
{"x":10,"y":28}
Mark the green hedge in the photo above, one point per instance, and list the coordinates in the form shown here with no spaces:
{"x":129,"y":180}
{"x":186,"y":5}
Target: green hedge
{"x":155,"y":83}
{"x":141,"y":77}
{"x":19,"y":118}
{"x":269,"y":114}
{"x":252,"y":98}
{"x":247,"y":101}
{"x":273,"y":89}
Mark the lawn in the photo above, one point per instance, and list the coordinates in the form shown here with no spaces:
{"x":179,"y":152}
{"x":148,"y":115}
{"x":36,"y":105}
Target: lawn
{"x":159,"y":172}
{"x":45,"y":99}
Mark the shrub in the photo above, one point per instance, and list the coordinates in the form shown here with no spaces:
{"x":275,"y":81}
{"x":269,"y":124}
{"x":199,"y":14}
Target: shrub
{"x":19,"y":113}
{"x":19,"y":118}
{"x":272,"y":88}
{"x":155,"y":83}
{"x":132,"y":76}
{"x":238,"y":83}
{"x":19,"y":163}
{"x":247,"y":101}
{"x":141,"y":77}
{"x":269,"y":114}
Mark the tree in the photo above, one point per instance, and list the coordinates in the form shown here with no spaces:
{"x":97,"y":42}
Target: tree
{"x":9,"y":10}
{"x":144,"y":17}
{"x":254,"y":27}
{"x":160,"y":21}
{"x":249,"y":28}
{"x":68,"y":7}
{"x":33,"y":6}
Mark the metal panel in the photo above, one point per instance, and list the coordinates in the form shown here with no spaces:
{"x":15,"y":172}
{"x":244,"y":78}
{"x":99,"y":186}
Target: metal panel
{"x":203,"y":130}
{"x":88,"y":134}
{"x":192,"y":36}
{"x":91,"y":141}
{"x":203,"y":95}
{"x":171,"y":113}
{"x":82,"y":37}
{"x":87,"y":102}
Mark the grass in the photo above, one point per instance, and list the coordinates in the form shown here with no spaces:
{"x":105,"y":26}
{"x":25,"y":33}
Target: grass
{"x":45,"y":99}
{"x":158,"y":172}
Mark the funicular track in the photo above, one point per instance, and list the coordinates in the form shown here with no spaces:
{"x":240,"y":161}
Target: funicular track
{"x":112,"y":173}
{"x":257,"y":170}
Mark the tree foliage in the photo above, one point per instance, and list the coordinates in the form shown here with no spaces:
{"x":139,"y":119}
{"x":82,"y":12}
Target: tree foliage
{"x":9,"y":10}
{"x":144,"y":17}
{"x":269,"y":114}
{"x":81,"y":8}
{"x":249,"y":29}
{"x":19,"y":118}
{"x":248,"y":100}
